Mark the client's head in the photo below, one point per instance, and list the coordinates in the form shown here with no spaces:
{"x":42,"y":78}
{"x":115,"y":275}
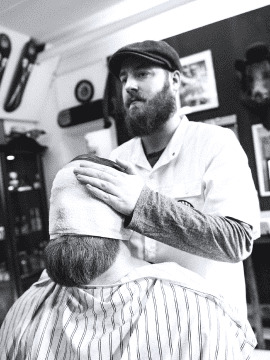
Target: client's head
{"x":85,"y":233}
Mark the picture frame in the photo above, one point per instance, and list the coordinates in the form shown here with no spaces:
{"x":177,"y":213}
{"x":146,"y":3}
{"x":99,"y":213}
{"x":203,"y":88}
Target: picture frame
{"x":198,"y":89}
{"x":228,"y":121}
{"x":261,"y":141}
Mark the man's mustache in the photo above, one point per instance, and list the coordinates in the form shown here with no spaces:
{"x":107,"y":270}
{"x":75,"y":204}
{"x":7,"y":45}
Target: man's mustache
{"x":133,"y":98}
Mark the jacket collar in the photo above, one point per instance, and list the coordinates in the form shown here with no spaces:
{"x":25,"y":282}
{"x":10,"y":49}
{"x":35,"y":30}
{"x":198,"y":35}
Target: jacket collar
{"x":172,"y":149}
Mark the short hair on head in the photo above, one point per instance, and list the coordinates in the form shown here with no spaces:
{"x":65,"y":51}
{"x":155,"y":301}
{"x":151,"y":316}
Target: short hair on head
{"x":98,"y":160}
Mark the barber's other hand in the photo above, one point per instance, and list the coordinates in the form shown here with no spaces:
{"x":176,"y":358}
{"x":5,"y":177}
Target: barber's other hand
{"x":120,"y":190}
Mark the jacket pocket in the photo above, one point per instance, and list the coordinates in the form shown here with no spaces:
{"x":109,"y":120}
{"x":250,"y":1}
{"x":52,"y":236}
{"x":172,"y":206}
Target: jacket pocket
{"x":190,"y":192}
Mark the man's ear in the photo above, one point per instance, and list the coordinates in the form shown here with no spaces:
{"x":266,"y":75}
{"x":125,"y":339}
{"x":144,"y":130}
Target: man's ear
{"x":175,"y":77}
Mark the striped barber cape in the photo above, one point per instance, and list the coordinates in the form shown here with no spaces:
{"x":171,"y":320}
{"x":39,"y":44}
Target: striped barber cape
{"x":156,"y":312}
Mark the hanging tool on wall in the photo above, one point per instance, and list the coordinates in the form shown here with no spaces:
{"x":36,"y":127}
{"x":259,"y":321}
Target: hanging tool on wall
{"x":5,"y":49}
{"x":113,"y":106}
{"x":88,"y":110}
{"x":22,"y":73}
{"x":80,"y":114}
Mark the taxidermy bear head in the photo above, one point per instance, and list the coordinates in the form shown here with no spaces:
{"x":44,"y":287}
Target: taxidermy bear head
{"x":254,"y":73}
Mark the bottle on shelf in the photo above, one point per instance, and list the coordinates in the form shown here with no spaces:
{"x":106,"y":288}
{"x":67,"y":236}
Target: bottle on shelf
{"x":24,"y":225}
{"x":38,"y":219}
{"x":17,"y":225}
{"x":25,"y":265}
{"x":4,"y":274}
{"x":34,"y":260}
{"x":13,"y":181}
{"x":37,"y":183}
{"x":2,"y":233}
{"x":33,"y":221}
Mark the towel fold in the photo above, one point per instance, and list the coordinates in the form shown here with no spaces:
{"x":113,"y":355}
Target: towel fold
{"x":73,"y":210}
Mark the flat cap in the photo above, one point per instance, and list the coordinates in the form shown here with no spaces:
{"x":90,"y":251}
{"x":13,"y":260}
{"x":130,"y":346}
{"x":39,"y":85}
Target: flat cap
{"x":157,"y":52}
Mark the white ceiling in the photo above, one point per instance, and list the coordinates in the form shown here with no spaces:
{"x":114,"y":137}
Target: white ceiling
{"x":51,"y":21}
{"x":45,"y":19}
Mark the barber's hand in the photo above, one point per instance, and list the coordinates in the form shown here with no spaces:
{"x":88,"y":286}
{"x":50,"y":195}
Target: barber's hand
{"x":118,"y":189}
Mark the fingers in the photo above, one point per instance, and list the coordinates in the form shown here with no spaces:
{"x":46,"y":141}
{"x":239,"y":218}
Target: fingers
{"x":103,"y":169}
{"x":97,"y":173}
{"x":91,"y":173}
{"x":94,"y":166}
{"x":114,"y":201}
{"x":94,"y":183}
{"x":105,"y":197}
{"x":120,"y":190}
{"x":128,"y":166}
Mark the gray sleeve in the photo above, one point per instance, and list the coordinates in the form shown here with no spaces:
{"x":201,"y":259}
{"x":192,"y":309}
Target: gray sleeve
{"x":178,"y":225}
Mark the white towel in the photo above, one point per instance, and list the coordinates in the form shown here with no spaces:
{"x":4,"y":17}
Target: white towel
{"x":74,"y":211}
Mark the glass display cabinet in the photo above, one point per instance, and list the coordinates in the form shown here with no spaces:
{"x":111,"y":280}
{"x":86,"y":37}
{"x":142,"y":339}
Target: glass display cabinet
{"x":23,"y":218}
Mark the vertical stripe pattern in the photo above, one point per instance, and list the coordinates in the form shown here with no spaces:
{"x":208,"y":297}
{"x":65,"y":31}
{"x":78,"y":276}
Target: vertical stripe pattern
{"x":143,"y":319}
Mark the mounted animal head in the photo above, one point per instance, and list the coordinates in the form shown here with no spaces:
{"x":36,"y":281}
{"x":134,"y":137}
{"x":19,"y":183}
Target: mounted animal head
{"x":254,"y":74}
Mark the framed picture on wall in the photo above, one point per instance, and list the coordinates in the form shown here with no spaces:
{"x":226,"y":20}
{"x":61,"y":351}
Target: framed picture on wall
{"x":228,"y":121}
{"x":261,"y":140}
{"x":198,"y":90}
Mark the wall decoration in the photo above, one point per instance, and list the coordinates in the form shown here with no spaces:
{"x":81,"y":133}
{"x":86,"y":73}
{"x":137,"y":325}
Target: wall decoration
{"x":81,"y":114}
{"x":254,"y":73}
{"x":261,"y":139}
{"x":21,"y":75}
{"x":229,"y":122}
{"x":198,"y":90}
{"x":84,"y":91}
{"x":5,"y":49}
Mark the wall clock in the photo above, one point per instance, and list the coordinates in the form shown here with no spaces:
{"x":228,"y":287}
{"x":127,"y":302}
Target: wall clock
{"x":84,"y":91}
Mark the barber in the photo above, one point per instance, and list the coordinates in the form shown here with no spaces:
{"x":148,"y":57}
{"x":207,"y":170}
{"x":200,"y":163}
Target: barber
{"x":193,"y":199}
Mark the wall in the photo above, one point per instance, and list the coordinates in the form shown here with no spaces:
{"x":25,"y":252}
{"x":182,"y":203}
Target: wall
{"x":27,"y":116}
{"x":37,"y":86}
{"x":228,"y":40}
{"x":66,"y":143}
{"x":89,"y":62}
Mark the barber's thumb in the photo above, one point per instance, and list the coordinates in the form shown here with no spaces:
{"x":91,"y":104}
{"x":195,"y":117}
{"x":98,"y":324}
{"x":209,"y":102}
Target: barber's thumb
{"x":128,"y":166}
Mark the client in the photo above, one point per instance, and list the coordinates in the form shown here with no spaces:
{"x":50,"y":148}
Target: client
{"x":96,"y":301}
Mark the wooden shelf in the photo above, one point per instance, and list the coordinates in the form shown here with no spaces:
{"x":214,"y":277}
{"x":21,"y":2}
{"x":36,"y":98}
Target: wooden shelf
{"x":22,"y":211}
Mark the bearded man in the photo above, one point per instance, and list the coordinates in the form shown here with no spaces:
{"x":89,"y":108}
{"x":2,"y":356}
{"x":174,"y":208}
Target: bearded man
{"x":188,"y":191}
{"x":101,"y":302}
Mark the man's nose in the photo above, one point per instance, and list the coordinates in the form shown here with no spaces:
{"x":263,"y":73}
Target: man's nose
{"x":131,"y":84}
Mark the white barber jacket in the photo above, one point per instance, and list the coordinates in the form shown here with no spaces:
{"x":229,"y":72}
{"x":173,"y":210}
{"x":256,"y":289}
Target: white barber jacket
{"x":205,"y":165}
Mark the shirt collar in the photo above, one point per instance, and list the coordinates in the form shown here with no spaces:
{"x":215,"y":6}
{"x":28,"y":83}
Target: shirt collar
{"x":171,"y":151}
{"x":174,"y":146}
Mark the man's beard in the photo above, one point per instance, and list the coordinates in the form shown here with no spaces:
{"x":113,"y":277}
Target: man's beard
{"x":155,"y":114}
{"x":77,"y":260}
